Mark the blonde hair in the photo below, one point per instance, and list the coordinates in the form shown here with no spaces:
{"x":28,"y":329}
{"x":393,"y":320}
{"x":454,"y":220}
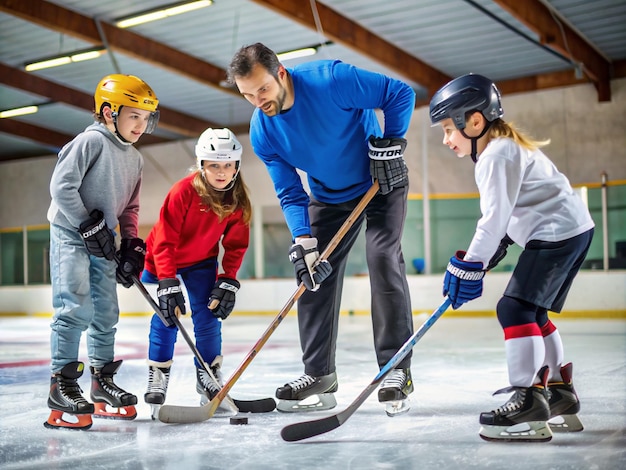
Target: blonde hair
{"x":224,"y":203}
{"x":501,"y":128}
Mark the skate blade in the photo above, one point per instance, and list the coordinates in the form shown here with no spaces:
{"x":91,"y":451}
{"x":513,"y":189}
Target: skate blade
{"x":397,"y":407}
{"x":106,"y":411}
{"x":565,"y":423}
{"x":531,"y":431}
{"x":317,"y":402}
{"x":154,"y":411}
{"x":59,"y":419}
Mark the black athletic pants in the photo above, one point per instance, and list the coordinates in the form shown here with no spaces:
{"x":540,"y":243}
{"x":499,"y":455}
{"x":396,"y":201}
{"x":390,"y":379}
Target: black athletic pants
{"x":318,"y":312}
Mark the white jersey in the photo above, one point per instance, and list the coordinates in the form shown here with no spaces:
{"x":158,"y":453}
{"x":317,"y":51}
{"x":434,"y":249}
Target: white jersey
{"x":524,"y":195}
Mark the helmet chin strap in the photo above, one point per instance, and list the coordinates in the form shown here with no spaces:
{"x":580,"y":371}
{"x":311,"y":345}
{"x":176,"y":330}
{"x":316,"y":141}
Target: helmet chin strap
{"x":474,"y":140}
{"x":117,"y":132}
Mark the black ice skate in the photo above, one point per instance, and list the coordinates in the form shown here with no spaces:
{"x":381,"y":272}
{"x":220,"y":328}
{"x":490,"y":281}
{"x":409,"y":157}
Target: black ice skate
{"x":523,"y":418}
{"x":65,"y":398}
{"x":564,"y":403}
{"x":394,"y":391}
{"x":110,"y":401}
{"x":208,"y":387}
{"x":308,"y":394}
{"x":158,"y":379}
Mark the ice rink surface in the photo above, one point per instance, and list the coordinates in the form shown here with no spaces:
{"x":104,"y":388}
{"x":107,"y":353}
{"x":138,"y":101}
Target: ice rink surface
{"x":456,"y":367}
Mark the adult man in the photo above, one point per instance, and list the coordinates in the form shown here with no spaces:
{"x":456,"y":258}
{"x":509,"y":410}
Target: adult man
{"x":319,"y":117}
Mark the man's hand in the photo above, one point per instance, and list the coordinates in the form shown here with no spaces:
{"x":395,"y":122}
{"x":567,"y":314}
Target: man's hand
{"x":304,"y":256}
{"x":387,"y":163}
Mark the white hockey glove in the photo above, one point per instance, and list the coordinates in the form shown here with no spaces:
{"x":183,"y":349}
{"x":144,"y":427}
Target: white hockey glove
{"x":387,"y":163}
{"x":305,"y":258}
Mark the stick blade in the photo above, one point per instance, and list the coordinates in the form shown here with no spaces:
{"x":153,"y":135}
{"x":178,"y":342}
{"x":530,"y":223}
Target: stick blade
{"x":184,"y":414}
{"x":262,"y":405}
{"x":298,"y":431}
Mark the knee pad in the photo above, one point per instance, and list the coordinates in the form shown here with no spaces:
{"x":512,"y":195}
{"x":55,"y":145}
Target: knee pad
{"x":513,"y":312}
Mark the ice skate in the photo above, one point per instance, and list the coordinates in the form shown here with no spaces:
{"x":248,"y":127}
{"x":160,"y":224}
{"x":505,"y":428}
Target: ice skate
{"x":394,"y":392}
{"x":308,"y":394}
{"x":110,"y":401}
{"x":523,"y":418}
{"x":208,"y":388}
{"x":69,"y":408}
{"x":158,"y":379}
{"x":564,"y":403}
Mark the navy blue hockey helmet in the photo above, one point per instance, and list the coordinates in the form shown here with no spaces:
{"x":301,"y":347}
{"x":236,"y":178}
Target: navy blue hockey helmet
{"x":464,"y":94}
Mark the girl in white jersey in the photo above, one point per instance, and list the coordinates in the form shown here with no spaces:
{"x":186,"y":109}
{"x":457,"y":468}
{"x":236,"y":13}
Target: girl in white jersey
{"x":524,"y":199}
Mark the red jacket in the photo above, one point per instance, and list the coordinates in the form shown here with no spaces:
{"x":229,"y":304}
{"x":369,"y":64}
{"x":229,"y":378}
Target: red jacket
{"x":187,"y":233}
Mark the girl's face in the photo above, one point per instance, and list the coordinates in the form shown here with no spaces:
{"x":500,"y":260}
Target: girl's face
{"x":456,"y":141}
{"x":131,"y":122}
{"x":219,"y":174}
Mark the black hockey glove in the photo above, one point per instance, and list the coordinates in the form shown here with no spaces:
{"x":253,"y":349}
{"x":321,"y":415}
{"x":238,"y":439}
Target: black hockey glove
{"x":132,"y":255}
{"x":500,"y":253}
{"x":305,"y":258}
{"x":222,"y":300}
{"x":171,"y":299}
{"x":97,"y":236}
{"x":387,"y":163}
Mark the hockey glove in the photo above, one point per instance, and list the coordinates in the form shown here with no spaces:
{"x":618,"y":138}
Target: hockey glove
{"x":387,"y":163}
{"x":304,"y":256}
{"x":224,"y":294}
{"x":171,"y":299}
{"x":97,"y":236}
{"x":131,"y":255}
{"x":500,"y":253}
{"x":463,"y":280}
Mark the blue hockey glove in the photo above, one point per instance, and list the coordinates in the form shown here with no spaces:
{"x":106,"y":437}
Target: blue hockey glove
{"x":387,"y":163}
{"x":463,"y":280}
{"x":222,"y":300}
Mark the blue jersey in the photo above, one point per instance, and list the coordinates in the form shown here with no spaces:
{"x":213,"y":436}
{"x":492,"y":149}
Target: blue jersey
{"x":325,"y":134}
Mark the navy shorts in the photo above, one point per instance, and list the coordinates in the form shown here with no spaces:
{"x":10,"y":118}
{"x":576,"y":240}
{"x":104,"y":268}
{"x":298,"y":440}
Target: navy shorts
{"x":545,"y":271}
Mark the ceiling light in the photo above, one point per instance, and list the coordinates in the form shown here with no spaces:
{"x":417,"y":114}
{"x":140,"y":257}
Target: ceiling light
{"x":153,"y":15}
{"x":65,"y":59}
{"x":297,"y":53}
{"x":18,"y":111}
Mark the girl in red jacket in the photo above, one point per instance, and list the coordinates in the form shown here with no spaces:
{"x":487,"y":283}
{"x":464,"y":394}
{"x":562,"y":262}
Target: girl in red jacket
{"x":208,"y":206}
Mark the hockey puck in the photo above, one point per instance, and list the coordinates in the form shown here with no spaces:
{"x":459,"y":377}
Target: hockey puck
{"x":237,"y":420}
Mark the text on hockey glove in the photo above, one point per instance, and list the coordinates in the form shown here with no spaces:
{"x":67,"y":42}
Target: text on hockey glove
{"x":463,"y":280}
{"x":222,"y":300}
{"x":304,"y":256}
{"x":132,"y":255}
{"x":387,"y":163}
{"x":97,"y":236}
{"x":171,"y":299}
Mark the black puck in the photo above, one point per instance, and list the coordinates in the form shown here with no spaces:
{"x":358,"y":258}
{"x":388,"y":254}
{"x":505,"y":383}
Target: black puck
{"x":238,"y":420}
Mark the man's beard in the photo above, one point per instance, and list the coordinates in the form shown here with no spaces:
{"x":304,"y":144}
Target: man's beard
{"x":279,"y":103}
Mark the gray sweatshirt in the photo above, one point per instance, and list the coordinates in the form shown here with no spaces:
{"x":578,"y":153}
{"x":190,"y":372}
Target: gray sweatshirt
{"x":96,"y":170}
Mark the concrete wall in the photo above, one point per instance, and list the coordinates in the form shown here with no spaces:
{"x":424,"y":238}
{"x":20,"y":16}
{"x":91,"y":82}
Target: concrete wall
{"x":271,"y":295}
{"x":588,"y":138}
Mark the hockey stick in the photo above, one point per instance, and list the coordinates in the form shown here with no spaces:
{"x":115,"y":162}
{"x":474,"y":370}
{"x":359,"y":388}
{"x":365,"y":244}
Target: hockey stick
{"x":247,"y":406}
{"x":182,"y":414}
{"x":306,"y":429}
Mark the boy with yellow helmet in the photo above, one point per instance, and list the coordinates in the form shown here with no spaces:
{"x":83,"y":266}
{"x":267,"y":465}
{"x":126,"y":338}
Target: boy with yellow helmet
{"x":95,"y":188}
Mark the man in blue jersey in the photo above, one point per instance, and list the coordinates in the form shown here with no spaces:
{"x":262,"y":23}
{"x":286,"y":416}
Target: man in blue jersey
{"x":319,"y":117}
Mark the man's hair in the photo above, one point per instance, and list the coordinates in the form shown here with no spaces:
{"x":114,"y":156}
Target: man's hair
{"x":248,"y":56}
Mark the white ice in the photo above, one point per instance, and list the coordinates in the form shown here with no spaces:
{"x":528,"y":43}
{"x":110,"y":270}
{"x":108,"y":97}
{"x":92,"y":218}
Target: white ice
{"x":456,"y":366}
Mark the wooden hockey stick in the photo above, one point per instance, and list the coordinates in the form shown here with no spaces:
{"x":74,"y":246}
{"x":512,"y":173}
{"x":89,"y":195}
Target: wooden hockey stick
{"x":186,"y":414}
{"x":306,"y":429}
{"x":252,"y":406}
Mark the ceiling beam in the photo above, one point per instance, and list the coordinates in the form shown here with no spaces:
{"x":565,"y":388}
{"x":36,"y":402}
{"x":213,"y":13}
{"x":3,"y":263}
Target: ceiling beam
{"x":74,"y":24}
{"x":171,"y":120}
{"x":561,"y":37}
{"x":341,"y":30}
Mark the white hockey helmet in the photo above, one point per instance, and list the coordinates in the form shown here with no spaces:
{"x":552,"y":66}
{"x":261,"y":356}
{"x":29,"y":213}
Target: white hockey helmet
{"x":218,"y":145}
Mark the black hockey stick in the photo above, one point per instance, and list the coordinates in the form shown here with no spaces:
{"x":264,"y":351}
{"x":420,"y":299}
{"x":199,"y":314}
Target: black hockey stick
{"x":187,"y":414}
{"x":263,"y":405}
{"x":306,"y":429}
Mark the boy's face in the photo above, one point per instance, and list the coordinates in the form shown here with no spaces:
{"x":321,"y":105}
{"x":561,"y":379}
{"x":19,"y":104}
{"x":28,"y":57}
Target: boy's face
{"x":131,"y":122}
